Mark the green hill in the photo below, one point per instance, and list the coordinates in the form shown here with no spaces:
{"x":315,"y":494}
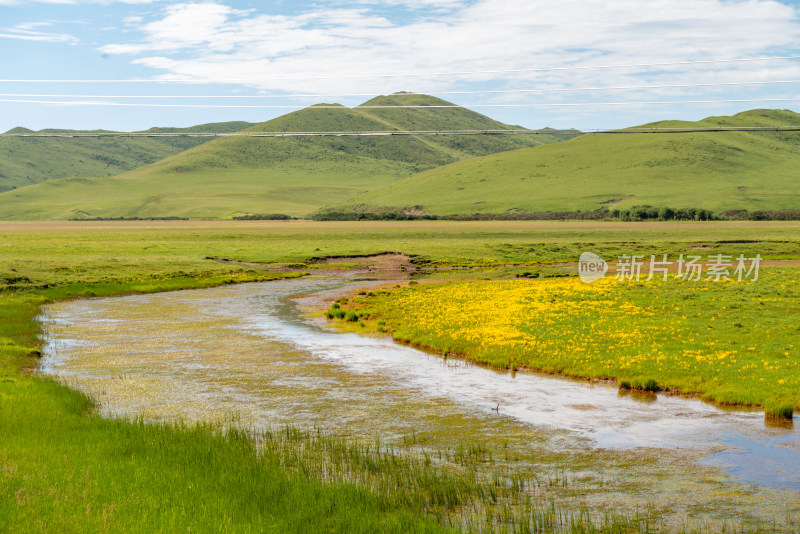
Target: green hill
{"x":292,"y":175}
{"x":30,"y":160}
{"x":714,"y":170}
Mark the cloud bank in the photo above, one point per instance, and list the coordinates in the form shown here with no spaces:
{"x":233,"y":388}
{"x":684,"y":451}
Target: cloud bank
{"x":336,"y":48}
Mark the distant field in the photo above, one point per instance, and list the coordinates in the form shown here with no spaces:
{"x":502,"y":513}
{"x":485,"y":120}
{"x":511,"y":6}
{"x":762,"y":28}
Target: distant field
{"x":88,"y":252}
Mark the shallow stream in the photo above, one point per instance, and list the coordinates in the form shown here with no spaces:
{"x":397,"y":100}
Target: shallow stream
{"x":250,"y":355}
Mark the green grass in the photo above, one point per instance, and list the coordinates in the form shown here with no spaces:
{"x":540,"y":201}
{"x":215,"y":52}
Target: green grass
{"x":716,"y":171}
{"x":295,"y":176}
{"x":727,"y":342}
{"x":779,"y":411}
{"x":64,"y":468}
{"x":33,"y":255}
{"x":26,"y":161}
{"x":67,"y":470}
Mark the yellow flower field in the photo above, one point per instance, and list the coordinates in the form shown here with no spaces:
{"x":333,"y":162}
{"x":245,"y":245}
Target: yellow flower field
{"x":730,"y":342}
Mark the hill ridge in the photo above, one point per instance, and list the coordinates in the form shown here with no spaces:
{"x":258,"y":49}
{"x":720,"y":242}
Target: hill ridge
{"x":292,"y":175}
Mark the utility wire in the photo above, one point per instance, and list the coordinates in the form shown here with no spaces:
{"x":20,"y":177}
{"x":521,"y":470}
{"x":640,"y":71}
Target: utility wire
{"x":291,"y":134}
{"x":712,"y":129}
{"x":409,"y":74}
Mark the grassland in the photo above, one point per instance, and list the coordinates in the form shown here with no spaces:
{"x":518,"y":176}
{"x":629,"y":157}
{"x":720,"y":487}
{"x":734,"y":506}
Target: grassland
{"x":728,"y":342}
{"x":290,"y":175}
{"x":61,"y":467}
{"x":713,"y":170}
{"x":38,"y":254}
{"x":440,"y":175}
{"x":26,"y":161}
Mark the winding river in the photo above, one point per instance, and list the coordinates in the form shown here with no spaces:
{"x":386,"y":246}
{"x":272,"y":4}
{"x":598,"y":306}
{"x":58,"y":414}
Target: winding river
{"x":250,"y":355}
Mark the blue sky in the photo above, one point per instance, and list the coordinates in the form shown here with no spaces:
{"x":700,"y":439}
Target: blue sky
{"x":528,"y":62}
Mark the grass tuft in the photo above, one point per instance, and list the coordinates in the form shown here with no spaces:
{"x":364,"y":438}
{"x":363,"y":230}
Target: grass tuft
{"x":779,"y":411}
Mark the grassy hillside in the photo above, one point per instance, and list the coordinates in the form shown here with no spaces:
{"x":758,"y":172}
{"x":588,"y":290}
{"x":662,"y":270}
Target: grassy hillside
{"x":714,"y":170}
{"x":30,"y":160}
{"x":291,"y":175}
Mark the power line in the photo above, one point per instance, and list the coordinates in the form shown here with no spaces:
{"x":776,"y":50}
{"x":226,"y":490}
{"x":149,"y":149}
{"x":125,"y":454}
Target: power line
{"x":408,"y":74}
{"x":476,"y":92}
{"x":435,"y":106}
{"x":353,"y":133}
{"x":707,"y":129}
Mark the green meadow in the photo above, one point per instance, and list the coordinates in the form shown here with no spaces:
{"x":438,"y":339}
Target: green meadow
{"x":38,"y":254}
{"x":506,"y":175}
{"x":728,"y":342}
{"x":62,"y":467}
{"x":711,"y":170}
{"x":29,"y":160}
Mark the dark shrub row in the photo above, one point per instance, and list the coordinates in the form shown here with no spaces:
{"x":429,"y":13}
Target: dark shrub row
{"x":263,"y":217}
{"x":170,"y":218}
{"x":636,"y":213}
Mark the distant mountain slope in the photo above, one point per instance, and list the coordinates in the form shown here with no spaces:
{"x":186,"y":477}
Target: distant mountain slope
{"x":432,"y":118}
{"x":26,"y":161}
{"x":714,"y":170}
{"x":292,"y":175}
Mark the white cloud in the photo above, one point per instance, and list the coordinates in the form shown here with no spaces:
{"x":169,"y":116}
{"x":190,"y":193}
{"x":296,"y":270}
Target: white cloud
{"x":28,"y":31}
{"x":73,"y":2}
{"x":417,"y":4}
{"x":38,"y":36}
{"x":132,"y":21}
{"x":332,"y":49}
{"x":27,"y":26}
{"x":24,"y":2}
